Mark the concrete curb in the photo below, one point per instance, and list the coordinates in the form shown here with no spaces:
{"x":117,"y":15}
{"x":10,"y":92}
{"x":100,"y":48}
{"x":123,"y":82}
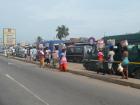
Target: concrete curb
{"x":99,"y":77}
{"x":106,"y":79}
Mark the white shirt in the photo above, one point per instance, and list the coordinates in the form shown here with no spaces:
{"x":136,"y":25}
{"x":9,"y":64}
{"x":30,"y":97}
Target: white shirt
{"x":48,"y":53}
{"x":111,"y":53}
{"x":33,"y":51}
{"x":25,"y":51}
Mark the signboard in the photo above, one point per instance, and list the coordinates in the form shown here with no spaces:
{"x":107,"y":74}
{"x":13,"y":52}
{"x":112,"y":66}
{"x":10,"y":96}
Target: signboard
{"x":9,"y":37}
{"x":111,"y":42}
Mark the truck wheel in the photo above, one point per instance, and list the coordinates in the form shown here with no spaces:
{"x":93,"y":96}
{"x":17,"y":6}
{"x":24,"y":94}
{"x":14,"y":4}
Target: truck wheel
{"x":137,"y":74}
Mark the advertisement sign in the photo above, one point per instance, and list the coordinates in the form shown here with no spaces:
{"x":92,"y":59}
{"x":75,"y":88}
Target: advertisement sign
{"x":111,"y":42}
{"x":9,"y":37}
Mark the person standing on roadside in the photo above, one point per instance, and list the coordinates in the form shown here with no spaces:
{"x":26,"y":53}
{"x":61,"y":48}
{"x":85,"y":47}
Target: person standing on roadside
{"x":100,"y":62}
{"x":33,"y":54}
{"x":125,"y":63}
{"x":29,"y":55}
{"x":110,"y":60}
{"x":41,"y":57}
{"x":55,"y":57}
{"x":63,"y":61}
{"x":13,"y":51}
{"x":25,"y":54}
{"x":48,"y":56}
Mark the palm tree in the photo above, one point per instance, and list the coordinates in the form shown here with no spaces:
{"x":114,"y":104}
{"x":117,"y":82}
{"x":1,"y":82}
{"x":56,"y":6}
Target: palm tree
{"x":62,"y":32}
{"x":39,"y":39}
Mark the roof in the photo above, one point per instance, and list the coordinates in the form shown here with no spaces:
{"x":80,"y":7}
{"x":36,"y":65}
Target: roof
{"x":132,"y":38}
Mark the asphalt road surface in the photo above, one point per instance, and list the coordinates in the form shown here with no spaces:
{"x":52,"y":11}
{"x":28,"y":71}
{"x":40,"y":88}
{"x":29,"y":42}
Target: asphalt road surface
{"x":27,"y":84}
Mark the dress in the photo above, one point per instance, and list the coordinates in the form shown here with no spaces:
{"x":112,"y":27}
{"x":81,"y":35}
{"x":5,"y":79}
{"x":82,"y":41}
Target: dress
{"x":41,"y":57}
{"x":63,"y":62}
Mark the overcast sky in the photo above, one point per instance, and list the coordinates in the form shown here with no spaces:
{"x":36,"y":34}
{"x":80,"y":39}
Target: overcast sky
{"x":84,"y":18}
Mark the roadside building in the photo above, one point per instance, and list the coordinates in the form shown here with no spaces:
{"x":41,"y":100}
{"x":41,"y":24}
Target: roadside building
{"x":9,"y":37}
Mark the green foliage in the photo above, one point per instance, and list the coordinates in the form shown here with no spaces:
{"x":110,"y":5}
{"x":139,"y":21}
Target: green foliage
{"x":62,"y":32}
{"x":39,"y":39}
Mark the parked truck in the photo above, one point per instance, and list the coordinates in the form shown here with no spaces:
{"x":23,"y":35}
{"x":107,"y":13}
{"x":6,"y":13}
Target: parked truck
{"x":77,"y":52}
{"x":90,"y":63}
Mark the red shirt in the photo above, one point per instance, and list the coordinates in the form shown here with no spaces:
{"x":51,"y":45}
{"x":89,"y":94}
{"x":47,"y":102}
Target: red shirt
{"x":100,"y":56}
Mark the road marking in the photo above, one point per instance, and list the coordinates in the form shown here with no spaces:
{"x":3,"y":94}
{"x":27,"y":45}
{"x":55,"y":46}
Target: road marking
{"x":9,"y":63}
{"x":28,"y":90}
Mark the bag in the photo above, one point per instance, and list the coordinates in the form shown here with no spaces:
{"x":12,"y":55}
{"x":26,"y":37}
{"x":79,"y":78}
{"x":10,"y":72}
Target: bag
{"x":120,"y":68}
{"x":124,"y":43}
{"x":125,"y":61}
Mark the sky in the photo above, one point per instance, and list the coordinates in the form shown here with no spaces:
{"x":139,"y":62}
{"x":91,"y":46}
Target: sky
{"x":84,"y":18}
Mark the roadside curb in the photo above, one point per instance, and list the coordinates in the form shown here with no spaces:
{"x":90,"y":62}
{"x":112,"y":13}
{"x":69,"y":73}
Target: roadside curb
{"x":106,"y":79}
{"x":99,"y":77}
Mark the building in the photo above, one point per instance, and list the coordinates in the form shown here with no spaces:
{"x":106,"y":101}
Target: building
{"x":9,"y":37}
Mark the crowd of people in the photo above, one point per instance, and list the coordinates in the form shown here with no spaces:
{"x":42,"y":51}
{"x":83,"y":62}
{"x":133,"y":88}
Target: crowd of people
{"x":110,"y":60}
{"x":46,"y":57}
{"x":56,"y":57}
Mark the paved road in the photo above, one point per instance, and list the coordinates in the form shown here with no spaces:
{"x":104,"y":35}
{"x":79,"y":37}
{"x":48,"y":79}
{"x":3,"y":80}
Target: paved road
{"x":26,"y":84}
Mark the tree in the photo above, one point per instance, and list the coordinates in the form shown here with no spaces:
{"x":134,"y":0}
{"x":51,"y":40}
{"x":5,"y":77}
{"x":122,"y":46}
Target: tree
{"x":39,"y":39}
{"x":62,"y":32}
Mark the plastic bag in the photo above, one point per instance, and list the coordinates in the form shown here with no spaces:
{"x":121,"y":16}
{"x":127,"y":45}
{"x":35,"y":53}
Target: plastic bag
{"x":120,"y":68}
{"x":124,"y":43}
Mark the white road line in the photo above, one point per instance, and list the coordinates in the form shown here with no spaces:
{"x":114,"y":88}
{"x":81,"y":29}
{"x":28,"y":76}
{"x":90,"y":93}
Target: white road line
{"x":9,"y":63}
{"x":28,"y":90}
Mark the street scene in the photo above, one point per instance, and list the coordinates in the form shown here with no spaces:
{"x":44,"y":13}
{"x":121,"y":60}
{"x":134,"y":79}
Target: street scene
{"x":27,"y":84}
{"x":85,"y":55}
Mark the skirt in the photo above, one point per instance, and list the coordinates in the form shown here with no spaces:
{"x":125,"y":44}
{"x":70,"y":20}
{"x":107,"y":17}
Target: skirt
{"x":42,"y":61}
{"x":63,"y":67}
